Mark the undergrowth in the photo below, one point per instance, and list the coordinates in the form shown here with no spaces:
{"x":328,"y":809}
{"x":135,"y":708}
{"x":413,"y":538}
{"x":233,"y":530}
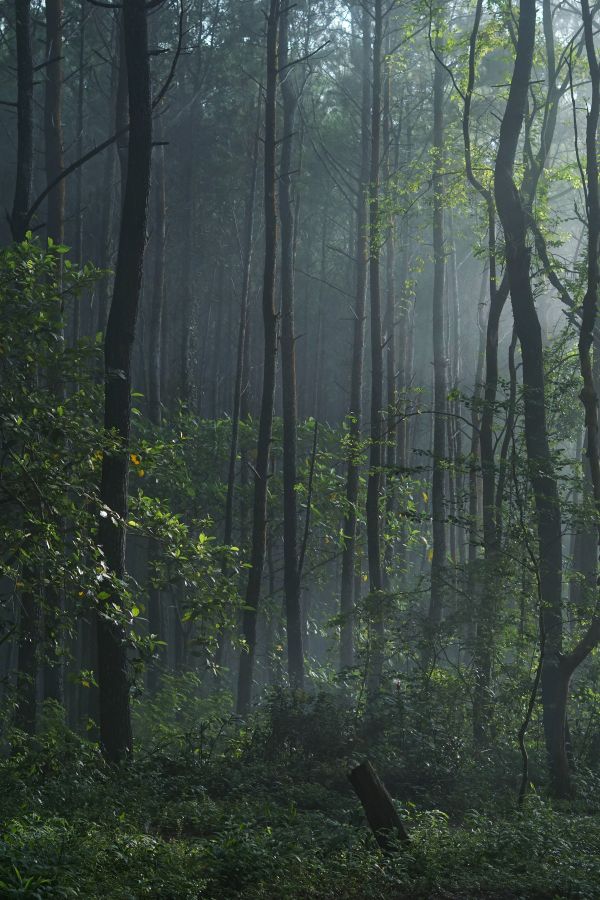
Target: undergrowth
{"x":264,"y":810}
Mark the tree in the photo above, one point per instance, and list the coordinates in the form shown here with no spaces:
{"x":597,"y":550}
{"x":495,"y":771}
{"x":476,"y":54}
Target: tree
{"x":113,"y":675}
{"x":261,"y":474}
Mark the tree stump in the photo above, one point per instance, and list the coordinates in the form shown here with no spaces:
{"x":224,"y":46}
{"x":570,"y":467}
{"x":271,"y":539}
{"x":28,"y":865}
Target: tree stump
{"x":378,"y":806}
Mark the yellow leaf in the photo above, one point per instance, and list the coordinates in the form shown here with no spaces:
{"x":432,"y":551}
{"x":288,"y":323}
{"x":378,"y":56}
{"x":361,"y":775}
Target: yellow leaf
{"x":135,"y":459}
{"x":430,"y":555}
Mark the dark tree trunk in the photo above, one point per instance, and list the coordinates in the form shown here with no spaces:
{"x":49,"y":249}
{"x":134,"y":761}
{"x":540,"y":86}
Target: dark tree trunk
{"x":379,"y":808}
{"x":347,"y":598}
{"x":156,"y":624}
{"x":376,"y":411}
{"x":158,"y":294}
{"x":55,"y":226}
{"x":78,"y":242}
{"x":514,"y":221}
{"x":259,"y":524}
{"x":241,"y":360}
{"x":108,"y":204}
{"x":113,"y":675}
{"x":53,"y":139}
{"x":24,"y":171}
{"x":291,"y":577}
{"x":241,"y":373}
{"x":27,"y":661}
{"x":390,"y":330}
{"x":438,"y":559}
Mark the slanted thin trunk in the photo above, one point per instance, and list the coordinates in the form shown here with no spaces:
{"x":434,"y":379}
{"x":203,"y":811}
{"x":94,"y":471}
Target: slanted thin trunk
{"x":113,"y":675}
{"x":259,"y":524}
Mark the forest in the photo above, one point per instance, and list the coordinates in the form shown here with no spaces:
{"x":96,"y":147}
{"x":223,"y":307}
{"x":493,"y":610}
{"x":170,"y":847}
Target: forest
{"x":299,"y":449}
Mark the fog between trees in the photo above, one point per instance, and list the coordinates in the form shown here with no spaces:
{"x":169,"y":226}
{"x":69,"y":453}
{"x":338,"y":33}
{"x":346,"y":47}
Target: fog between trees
{"x":299,"y":367}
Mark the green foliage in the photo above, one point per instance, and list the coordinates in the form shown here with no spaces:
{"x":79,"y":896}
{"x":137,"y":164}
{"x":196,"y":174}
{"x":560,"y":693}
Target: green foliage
{"x":182,"y":823}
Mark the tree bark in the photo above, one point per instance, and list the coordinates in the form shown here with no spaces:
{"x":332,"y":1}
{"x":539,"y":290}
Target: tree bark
{"x":291,"y":573}
{"x":259,"y":524}
{"x":156,"y":617}
{"x":376,"y":412}
{"x":513,"y":217}
{"x":438,"y":560}
{"x":379,"y":808}
{"x":24,"y":172}
{"x":347,"y":598}
{"x":55,"y":227}
{"x":115,"y":720}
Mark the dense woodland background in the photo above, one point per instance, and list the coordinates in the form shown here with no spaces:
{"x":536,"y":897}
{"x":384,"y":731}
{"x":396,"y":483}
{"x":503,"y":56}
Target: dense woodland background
{"x":299,"y":449}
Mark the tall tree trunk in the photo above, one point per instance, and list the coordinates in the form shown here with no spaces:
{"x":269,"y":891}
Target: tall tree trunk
{"x":485,"y":612}
{"x":376,"y":413}
{"x":78,"y":243}
{"x":156,"y":617}
{"x":438,"y":560}
{"x":347,"y":598}
{"x":259,"y":524}
{"x":291,"y":574}
{"x":514,"y":221}
{"x":24,"y":170}
{"x":55,"y":227}
{"x":27,"y":661}
{"x":241,"y":373}
{"x":53,"y":139}
{"x":113,"y":675}
{"x":108,"y":203}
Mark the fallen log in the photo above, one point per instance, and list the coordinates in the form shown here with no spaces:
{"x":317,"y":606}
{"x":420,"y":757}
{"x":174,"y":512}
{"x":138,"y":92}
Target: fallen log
{"x":379,"y":808}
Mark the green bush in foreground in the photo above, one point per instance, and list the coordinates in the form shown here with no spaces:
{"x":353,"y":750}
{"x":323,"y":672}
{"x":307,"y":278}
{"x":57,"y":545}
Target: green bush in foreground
{"x":180,"y":822}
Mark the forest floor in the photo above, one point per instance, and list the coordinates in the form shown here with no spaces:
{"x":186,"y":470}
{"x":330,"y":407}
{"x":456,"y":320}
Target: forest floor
{"x":266,"y":811}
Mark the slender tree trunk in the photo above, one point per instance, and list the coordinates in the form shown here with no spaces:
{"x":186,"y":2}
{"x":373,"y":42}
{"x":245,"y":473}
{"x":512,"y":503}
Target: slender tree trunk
{"x":347,"y":598}
{"x":541,"y":470}
{"x":391,"y":445}
{"x":27,"y":661}
{"x":487,"y":591}
{"x":53,"y":119}
{"x":473,"y":585}
{"x":241,"y":362}
{"x":377,"y":426}
{"x":288,"y":369}
{"x":55,"y":225}
{"x":438,"y":560}
{"x":78,"y":243}
{"x":259,"y":525}
{"x":115,"y":721}
{"x":24,"y":170}
{"x":108,"y":203}
{"x":156,"y":625}
{"x":241,"y":373}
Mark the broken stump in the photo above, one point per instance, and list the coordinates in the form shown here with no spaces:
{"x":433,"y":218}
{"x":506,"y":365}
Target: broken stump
{"x":379,"y":809}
